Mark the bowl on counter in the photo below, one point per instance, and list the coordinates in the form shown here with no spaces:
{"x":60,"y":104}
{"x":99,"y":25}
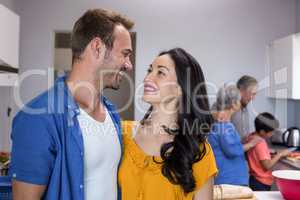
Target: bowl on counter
{"x":288,"y":183}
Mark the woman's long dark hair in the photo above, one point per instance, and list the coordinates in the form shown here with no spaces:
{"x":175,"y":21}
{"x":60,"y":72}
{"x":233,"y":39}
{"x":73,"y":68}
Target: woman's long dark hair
{"x":194,"y":121}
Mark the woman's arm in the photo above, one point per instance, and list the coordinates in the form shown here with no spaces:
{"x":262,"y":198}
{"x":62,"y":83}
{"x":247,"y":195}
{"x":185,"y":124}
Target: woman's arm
{"x":251,"y":143}
{"x":206,"y":191}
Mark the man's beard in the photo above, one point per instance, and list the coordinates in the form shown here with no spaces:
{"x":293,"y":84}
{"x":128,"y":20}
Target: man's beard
{"x":115,"y":80}
{"x":244,"y":104}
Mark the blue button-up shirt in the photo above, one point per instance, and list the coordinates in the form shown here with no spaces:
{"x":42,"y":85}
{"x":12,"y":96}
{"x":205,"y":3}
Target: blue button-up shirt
{"x":47,"y":143}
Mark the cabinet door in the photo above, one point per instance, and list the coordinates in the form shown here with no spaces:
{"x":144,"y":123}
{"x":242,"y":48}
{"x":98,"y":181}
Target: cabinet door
{"x":5,"y":118}
{"x":281,"y":65}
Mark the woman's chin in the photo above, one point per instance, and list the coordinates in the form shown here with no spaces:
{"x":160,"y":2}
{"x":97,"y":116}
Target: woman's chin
{"x":151,"y":99}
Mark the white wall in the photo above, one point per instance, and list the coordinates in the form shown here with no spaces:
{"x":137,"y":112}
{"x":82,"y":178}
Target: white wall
{"x":228,"y":37}
{"x":9,"y":4}
{"x":298,"y":15}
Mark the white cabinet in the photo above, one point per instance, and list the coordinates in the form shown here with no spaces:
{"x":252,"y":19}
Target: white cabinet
{"x":284,"y":67}
{"x":9,"y":37}
{"x":9,"y":46}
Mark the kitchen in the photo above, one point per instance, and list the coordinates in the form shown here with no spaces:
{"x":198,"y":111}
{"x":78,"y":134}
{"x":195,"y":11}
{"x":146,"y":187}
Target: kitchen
{"x":228,"y":36}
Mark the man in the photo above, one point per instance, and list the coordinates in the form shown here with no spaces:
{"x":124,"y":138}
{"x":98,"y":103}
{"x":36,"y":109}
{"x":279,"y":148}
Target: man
{"x":72,"y":151}
{"x":248,"y":87}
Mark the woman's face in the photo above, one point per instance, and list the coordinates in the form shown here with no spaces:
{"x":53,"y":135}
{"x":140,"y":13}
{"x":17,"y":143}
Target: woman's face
{"x":160,"y":83}
{"x":236,"y":106}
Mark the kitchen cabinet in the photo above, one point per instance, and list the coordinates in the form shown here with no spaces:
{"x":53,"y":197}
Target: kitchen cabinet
{"x":6,"y":114}
{"x":9,"y":46}
{"x":284,"y":67}
{"x":9,"y":64}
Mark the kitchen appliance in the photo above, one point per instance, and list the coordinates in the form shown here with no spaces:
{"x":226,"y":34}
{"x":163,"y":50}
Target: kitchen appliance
{"x":290,"y":137}
{"x":293,"y":137}
{"x":278,"y":137}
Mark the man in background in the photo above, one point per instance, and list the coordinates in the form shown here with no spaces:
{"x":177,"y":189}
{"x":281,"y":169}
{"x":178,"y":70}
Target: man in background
{"x":248,"y":87}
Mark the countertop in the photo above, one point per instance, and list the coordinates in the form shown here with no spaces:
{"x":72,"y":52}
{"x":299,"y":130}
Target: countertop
{"x":276,"y":195}
{"x":289,"y":163}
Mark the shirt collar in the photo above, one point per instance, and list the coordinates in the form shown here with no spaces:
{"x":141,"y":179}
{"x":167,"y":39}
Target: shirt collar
{"x":70,"y":103}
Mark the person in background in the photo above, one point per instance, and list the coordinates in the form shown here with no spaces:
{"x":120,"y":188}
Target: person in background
{"x":225,"y":141}
{"x":259,"y":157}
{"x":166,"y":155}
{"x":248,"y":87}
{"x":71,"y":149}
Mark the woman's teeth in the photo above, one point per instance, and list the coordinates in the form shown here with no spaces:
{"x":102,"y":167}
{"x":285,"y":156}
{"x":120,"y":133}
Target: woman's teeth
{"x":121,"y":73}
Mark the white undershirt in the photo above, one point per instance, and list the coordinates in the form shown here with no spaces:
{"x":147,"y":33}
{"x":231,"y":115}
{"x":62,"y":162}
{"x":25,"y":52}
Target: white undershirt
{"x":102,"y":152}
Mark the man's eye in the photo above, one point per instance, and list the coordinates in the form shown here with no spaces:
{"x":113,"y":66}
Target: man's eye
{"x":126,"y":54}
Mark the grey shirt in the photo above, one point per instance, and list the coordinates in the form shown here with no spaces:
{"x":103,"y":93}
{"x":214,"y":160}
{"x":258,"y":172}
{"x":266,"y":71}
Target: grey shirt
{"x":242,"y":122}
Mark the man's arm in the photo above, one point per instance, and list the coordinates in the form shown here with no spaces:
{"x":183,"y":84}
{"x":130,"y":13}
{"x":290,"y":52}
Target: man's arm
{"x":27,"y":191}
{"x":32,"y":156}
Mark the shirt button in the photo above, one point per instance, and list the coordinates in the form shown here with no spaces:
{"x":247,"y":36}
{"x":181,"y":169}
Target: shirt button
{"x":81,"y":186}
{"x":81,"y":153}
{"x":14,"y":175}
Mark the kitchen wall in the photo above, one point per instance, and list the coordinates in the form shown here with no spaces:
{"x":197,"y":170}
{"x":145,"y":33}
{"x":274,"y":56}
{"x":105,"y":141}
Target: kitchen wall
{"x":5,"y":93}
{"x":228,"y":37}
{"x":9,"y":4}
{"x":298,"y":15}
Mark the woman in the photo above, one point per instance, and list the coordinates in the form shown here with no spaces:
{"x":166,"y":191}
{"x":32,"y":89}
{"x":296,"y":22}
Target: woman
{"x":166,"y":155}
{"x":225,"y":140}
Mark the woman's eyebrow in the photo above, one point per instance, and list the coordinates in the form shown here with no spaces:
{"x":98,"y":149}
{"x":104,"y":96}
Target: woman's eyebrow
{"x":161,"y":66}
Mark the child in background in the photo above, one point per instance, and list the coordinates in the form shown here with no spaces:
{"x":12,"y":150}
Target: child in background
{"x":259,"y":157}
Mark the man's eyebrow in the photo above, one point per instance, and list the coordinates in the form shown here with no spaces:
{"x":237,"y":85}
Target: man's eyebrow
{"x":127,"y":51}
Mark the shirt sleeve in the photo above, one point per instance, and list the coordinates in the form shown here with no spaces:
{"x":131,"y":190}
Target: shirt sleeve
{"x":33,"y":154}
{"x":231,"y":144}
{"x":205,"y":168}
{"x":262,"y":151}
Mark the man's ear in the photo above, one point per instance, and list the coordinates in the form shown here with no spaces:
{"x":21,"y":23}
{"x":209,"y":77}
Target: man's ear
{"x":98,"y":47}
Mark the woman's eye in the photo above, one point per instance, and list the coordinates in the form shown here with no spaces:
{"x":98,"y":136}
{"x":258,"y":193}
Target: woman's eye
{"x":161,"y":73}
{"x":149,"y":71}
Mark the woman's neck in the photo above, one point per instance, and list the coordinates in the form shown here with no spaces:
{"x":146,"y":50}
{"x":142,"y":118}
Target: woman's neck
{"x":164,"y":115}
{"x":224,"y":116}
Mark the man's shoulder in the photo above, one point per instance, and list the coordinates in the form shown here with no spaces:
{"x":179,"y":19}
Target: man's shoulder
{"x":40,"y":107}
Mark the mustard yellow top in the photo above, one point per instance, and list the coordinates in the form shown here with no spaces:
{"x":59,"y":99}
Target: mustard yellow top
{"x":140,"y":178}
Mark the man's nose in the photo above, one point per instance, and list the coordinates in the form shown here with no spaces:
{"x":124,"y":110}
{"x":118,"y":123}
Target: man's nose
{"x":128,"y":65}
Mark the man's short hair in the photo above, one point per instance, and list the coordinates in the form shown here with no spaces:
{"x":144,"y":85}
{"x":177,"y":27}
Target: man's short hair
{"x":96,"y":23}
{"x":266,"y":122}
{"x":246,"y":81}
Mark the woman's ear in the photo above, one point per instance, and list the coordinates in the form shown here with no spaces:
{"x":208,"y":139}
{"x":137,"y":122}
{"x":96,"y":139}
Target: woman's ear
{"x":179,"y":91}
